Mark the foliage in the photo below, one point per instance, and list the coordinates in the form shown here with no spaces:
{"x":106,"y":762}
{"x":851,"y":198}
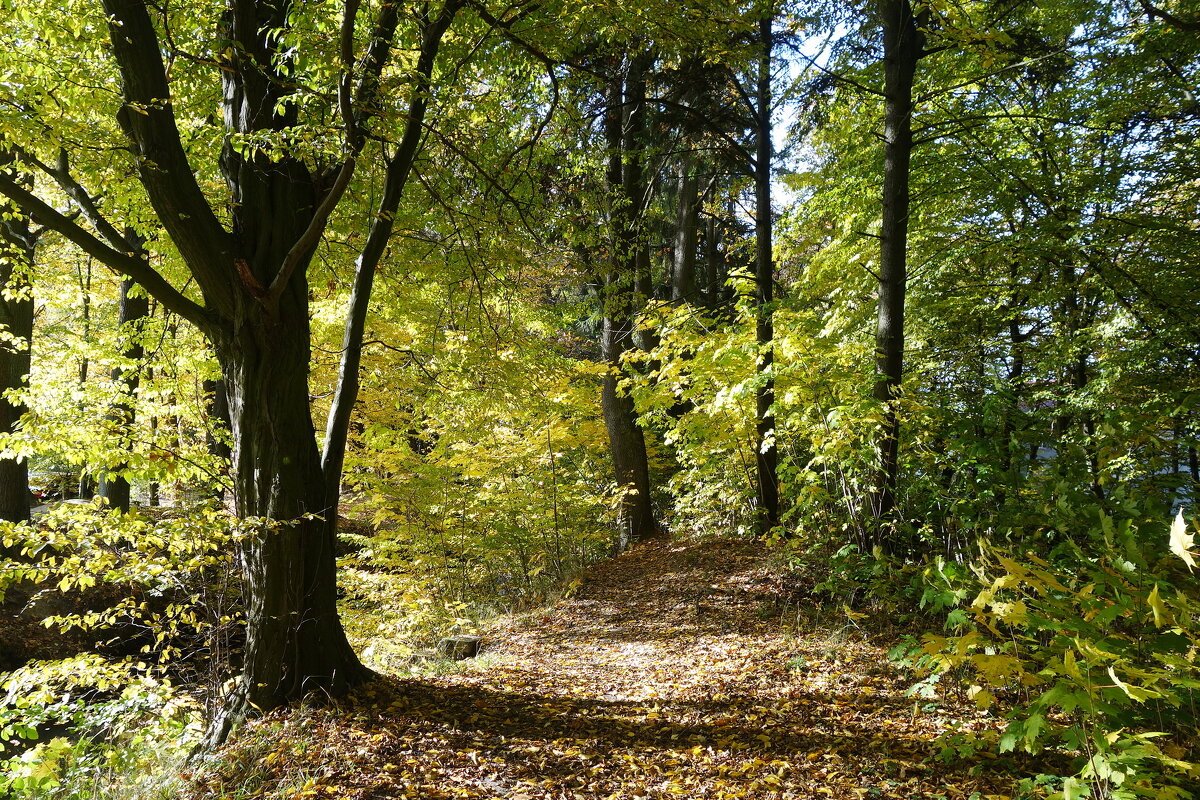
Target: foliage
{"x":696,"y":388}
{"x":1050,"y":350}
{"x":488,"y":494}
{"x":118,"y":731}
{"x":1091,"y":650}
{"x":70,"y":426}
{"x":158,"y":597}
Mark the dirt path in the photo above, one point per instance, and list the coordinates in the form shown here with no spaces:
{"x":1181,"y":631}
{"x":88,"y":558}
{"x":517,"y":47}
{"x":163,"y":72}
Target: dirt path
{"x":669,"y":674}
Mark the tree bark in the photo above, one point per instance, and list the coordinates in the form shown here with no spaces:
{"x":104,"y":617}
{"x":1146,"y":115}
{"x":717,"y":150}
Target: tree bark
{"x":766,"y":453}
{"x":295,"y":643}
{"x":621,"y":299}
{"x":714,"y":280}
{"x":683,"y":274}
{"x":216,"y":404}
{"x":18,"y":243}
{"x":134,"y":309}
{"x":903,"y":43}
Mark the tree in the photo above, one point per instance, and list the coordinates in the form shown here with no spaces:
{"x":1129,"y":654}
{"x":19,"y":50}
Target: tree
{"x":18,"y":245}
{"x":247,"y":249}
{"x":903,"y":42}
{"x":766,"y":452}
{"x":625,"y":134}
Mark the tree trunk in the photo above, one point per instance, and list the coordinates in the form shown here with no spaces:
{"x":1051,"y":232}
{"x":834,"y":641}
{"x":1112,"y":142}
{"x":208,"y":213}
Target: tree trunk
{"x":621,"y":301}
{"x":216,"y":403}
{"x":86,"y":484}
{"x":713,"y":277}
{"x":683,"y":274}
{"x":294,"y":639}
{"x":902,"y":49}
{"x":766,"y":454}
{"x":18,"y":244}
{"x":134,"y":309}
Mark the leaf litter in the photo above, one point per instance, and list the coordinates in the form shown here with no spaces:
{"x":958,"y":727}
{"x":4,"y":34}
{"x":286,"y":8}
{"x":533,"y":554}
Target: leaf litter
{"x":670,"y":673}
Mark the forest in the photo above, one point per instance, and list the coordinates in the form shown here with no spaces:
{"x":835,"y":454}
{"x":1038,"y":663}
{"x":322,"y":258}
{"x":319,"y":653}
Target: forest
{"x":788,"y":398}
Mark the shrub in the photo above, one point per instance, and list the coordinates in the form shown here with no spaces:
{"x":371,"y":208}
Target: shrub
{"x":1091,"y":651}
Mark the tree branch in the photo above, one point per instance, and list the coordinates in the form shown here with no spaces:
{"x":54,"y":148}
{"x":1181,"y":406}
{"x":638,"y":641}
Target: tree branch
{"x":148,"y":119}
{"x":126,"y":264}
{"x":1153,"y":11}
{"x":364,"y":99}
{"x":399,"y":166}
{"x":61,"y":174}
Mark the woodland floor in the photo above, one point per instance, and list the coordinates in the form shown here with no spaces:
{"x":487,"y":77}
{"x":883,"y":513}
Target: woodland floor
{"x":676,"y":670}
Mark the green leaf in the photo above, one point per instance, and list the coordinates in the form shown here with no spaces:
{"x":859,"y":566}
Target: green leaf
{"x":1073,"y":789}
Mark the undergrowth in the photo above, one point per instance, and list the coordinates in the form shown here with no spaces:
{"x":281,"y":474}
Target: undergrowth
{"x":1088,"y":650}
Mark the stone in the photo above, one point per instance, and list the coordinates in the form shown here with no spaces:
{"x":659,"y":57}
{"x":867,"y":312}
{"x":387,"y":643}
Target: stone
{"x":459,"y":648}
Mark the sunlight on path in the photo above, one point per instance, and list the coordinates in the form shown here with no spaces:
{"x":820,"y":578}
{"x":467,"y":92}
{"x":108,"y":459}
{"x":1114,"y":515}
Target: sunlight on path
{"x":671,"y":674}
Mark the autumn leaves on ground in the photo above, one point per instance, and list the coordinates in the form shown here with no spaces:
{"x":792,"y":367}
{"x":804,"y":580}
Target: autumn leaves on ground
{"x":676,"y":670}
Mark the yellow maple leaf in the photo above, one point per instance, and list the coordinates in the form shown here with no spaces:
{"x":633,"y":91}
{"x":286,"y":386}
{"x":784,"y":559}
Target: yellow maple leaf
{"x":1182,"y":541}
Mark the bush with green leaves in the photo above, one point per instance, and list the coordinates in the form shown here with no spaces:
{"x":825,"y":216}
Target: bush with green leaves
{"x":91,"y":727}
{"x":1092,"y":651}
{"x":159,"y":598}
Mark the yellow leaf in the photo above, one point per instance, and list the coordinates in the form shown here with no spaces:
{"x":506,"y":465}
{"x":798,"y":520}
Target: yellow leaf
{"x":1070,"y":665}
{"x":1182,"y":541}
{"x":852,"y":614}
{"x":1161,"y":614}
{"x":982,"y":697}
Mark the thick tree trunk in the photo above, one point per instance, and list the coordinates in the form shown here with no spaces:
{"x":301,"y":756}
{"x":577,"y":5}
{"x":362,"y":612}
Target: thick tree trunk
{"x":628,"y":446}
{"x":295,"y":643}
{"x":134,"y":309}
{"x":16,"y":320}
{"x":621,"y":299}
{"x":766,"y":453}
{"x":902,"y":48}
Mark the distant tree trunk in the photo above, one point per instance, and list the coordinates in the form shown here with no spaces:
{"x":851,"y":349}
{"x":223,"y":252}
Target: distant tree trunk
{"x":17,"y":249}
{"x":683,"y":274}
{"x":1009,"y":451}
{"x":1075,"y":318}
{"x":87,"y":482}
{"x":217,"y":405}
{"x":153,"y":489}
{"x":903,"y":43}
{"x":134,"y":309}
{"x":626,"y":100}
{"x":713,"y":277}
{"x":766,"y":452}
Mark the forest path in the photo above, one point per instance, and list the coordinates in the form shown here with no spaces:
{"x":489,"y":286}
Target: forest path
{"x":669,"y":674}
